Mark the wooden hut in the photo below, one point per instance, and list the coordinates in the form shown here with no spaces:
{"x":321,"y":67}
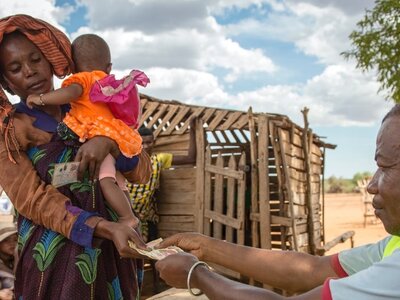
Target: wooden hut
{"x":257,"y":179}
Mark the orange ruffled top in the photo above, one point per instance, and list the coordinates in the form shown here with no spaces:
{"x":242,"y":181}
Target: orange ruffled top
{"x":88,"y":119}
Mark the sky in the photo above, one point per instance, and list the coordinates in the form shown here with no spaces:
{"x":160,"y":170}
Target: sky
{"x":276,"y":56}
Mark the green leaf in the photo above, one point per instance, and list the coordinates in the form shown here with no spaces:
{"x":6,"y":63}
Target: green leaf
{"x":85,"y":272}
{"x":39,"y":261}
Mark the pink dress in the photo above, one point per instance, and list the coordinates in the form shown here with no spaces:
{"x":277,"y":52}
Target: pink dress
{"x":121,"y":95}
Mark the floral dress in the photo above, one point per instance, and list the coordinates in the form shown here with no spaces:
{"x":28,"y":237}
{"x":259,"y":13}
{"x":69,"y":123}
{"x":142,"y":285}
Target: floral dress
{"x":54,"y":267}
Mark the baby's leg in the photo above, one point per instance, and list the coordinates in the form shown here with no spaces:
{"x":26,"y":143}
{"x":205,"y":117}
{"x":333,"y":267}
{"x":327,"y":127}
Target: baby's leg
{"x":113,"y":193}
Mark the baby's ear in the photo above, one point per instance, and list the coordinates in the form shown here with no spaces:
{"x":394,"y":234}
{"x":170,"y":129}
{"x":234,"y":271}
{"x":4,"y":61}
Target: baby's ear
{"x":109,"y":67}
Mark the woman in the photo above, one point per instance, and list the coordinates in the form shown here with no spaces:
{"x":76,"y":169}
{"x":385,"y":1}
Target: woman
{"x":57,"y":259}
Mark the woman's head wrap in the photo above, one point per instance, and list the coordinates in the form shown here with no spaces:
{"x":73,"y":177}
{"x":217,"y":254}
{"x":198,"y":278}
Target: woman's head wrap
{"x":55,"y":47}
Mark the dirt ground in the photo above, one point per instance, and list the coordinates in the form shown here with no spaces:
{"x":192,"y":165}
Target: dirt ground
{"x":345,"y":212}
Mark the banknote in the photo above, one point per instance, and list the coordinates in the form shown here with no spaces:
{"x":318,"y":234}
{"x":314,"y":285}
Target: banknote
{"x":65,"y":173}
{"x":156,"y":254}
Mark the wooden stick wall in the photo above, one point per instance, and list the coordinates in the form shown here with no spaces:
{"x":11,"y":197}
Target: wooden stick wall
{"x":252,"y":180}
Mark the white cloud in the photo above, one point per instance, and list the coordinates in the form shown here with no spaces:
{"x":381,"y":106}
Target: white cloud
{"x":182,"y":48}
{"x":183,"y":85}
{"x":321,"y":32}
{"x":149,"y":16}
{"x":43,"y":9}
{"x":339,"y":96}
{"x":349,"y":7}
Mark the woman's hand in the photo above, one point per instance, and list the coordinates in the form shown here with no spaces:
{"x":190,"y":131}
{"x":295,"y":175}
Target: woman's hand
{"x":92,"y":153}
{"x":194,"y":243}
{"x":120,"y":234}
{"x":174,"y":268}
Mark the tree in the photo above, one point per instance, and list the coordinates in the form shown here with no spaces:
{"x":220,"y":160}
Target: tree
{"x":339,"y":185}
{"x":376,"y":45}
{"x":361,"y":175}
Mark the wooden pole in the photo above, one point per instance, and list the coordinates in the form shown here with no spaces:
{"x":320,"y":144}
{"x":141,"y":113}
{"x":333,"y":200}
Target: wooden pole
{"x":265,"y":216}
{"x":309,"y":204}
{"x":323,"y":196}
{"x":287,"y":189}
{"x":241,"y":191}
{"x":218,"y":197}
{"x":230,"y":198}
{"x":254,"y":178}
{"x":207,"y":193}
{"x":200,"y":163}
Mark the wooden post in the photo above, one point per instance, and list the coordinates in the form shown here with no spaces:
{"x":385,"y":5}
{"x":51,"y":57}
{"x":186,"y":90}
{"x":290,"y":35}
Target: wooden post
{"x":218,"y":197}
{"x":230,"y":199}
{"x":281,"y":180}
{"x":200,"y":162}
{"x":309,"y":204}
{"x":287,"y":187}
{"x":207,"y":193}
{"x":323,"y":195}
{"x":254,"y":178}
{"x":241,"y":206}
{"x":265,"y":217}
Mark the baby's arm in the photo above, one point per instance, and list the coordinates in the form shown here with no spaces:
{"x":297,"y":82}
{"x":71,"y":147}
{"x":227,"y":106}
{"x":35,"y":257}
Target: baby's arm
{"x":60,"y":96}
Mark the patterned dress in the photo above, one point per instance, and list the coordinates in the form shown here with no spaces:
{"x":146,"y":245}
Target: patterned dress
{"x":54,"y":267}
{"x":143,"y":201}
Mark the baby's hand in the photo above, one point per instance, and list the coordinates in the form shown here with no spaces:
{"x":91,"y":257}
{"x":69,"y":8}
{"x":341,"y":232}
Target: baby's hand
{"x":34,"y":100}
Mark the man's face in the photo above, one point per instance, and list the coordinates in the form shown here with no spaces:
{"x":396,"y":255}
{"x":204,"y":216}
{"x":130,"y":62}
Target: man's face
{"x":147,"y":143}
{"x":385,"y":184}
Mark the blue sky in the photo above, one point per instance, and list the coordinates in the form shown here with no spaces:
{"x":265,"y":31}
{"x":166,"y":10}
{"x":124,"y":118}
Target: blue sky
{"x":274,"y":55}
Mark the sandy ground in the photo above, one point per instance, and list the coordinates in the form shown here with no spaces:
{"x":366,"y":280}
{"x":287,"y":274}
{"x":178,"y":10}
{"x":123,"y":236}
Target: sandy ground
{"x":346,"y":212}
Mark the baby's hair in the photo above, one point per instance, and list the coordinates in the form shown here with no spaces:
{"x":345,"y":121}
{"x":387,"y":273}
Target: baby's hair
{"x":90,"y":52}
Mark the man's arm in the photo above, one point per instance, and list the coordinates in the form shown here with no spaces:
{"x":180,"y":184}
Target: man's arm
{"x":217,"y":287}
{"x":289,"y":270}
{"x":174,"y":269}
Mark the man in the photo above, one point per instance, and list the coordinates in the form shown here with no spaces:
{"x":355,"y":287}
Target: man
{"x":142,"y":195}
{"x":368,"y":272}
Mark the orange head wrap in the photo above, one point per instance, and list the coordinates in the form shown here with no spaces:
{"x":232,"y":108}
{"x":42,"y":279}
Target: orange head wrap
{"x":54,"y":45}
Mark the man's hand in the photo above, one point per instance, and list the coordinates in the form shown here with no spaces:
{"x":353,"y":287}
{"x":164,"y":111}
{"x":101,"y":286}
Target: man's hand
{"x":174,"y":268}
{"x":194,"y":243}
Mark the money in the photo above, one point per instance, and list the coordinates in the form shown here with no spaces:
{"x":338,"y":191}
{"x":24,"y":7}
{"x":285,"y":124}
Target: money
{"x":156,"y":254}
{"x":65,"y":173}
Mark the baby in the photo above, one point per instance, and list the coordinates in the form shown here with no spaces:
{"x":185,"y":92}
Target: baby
{"x":101,"y":106}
